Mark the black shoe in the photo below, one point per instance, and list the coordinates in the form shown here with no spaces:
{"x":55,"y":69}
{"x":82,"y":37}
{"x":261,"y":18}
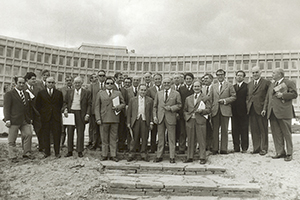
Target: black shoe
{"x":103,"y":158}
{"x":80,"y":155}
{"x":146,"y":159}
{"x":93,"y":148}
{"x":288,"y":158}
{"x":129,"y":159}
{"x":188,"y":160}
{"x":244,"y":151}
{"x":30,"y":157}
{"x":158,"y":160}
{"x":277,"y":156}
{"x":255,"y":152}
{"x":263,"y":152}
{"x":172,"y":160}
{"x":237,"y":150}
{"x":223,"y":152}
{"x":69,"y":154}
{"x":202,"y":161}
{"x":57,"y":155}
{"x":181,"y":152}
{"x":46,"y":155}
{"x":214,"y":152}
{"x":114,"y":159}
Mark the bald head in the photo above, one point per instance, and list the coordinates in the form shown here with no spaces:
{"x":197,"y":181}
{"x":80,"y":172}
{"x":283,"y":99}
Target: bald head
{"x":50,"y":82}
{"x":136,"y":81}
{"x":167,"y":83}
{"x":256,"y":73}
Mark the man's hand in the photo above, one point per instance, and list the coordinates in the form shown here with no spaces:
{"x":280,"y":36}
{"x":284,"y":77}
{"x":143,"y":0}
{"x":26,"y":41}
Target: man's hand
{"x":86,"y":118}
{"x":278,"y":95}
{"x":66,"y":113}
{"x":99,"y":122}
{"x":151,"y":126}
{"x":128,"y":125}
{"x":7,"y":124}
{"x":263,"y":113}
{"x":199,"y":110}
{"x":167,"y":108}
{"x":221,"y":101}
{"x":155,"y":120}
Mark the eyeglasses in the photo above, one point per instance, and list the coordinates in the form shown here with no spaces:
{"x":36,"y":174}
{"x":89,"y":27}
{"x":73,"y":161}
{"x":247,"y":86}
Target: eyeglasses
{"x":50,"y":82}
{"x":101,"y":75}
{"x":220,"y":74}
{"x":109,"y":83}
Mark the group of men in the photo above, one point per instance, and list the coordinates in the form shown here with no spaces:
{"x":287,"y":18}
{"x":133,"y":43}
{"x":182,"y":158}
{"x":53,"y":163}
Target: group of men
{"x":181,"y":113}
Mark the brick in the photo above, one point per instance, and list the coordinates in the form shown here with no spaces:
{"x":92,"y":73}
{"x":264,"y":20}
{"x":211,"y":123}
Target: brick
{"x":150,"y":185}
{"x":195,"y":168}
{"x":120,"y":166}
{"x":151,"y":167}
{"x":122,"y":184}
{"x":250,"y":188}
{"x":215,"y":168}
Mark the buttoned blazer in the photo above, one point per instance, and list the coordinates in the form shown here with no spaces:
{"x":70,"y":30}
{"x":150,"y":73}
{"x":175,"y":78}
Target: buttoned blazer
{"x":174,"y":101}
{"x":95,"y":88}
{"x":123,"y":92}
{"x":184,"y":93}
{"x":132,"y":111}
{"x":130,"y":93}
{"x":50,"y":106}
{"x":151,"y":92}
{"x":257,"y":95}
{"x":282,"y":107}
{"x":104,"y":104}
{"x":228,"y":93}
{"x":64,"y":90}
{"x":14,"y":108}
{"x":239,"y":106}
{"x":85,"y":102}
{"x":190,"y":108}
{"x":34,"y":91}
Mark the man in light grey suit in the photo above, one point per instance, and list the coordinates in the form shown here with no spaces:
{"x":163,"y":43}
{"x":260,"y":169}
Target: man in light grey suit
{"x":279,"y":107}
{"x":166,"y":104}
{"x":222,"y":95}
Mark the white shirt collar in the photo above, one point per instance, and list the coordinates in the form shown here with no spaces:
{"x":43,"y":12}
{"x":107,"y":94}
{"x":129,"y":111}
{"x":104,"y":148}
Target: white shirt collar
{"x":257,"y":81}
{"x":240,"y":84}
{"x":78,"y":91}
{"x":280,"y":80}
{"x":19,"y":91}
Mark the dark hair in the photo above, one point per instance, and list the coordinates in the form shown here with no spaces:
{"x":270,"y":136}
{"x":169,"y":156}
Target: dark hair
{"x":101,"y":70}
{"x":189,"y":74}
{"x":68,"y":76}
{"x":45,"y":71}
{"x":109,"y":78}
{"x":158,"y":74}
{"x":241,"y":72}
{"x":220,"y":70}
{"x":142,"y":84}
{"x":209,"y":75}
{"x":117,"y":74}
{"x":16,"y":78}
{"x":128,"y":78}
{"x":29,"y":75}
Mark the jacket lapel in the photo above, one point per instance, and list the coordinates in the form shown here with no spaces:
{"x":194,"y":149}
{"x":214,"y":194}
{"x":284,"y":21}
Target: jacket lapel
{"x":17,"y":96}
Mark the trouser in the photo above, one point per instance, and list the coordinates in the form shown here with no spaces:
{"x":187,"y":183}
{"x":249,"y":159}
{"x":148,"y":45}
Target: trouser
{"x":26,"y":136}
{"x":161,"y":138}
{"x":209,"y":134}
{"x":109,"y":133}
{"x":259,"y":131}
{"x":220,"y":121}
{"x":153,"y":146}
{"x":96,"y":132}
{"x":63,"y":135}
{"x":182,"y":137}
{"x":140,"y":131}
{"x":80,"y":127}
{"x":240,"y":132}
{"x":53,"y":127}
{"x":282,"y":133}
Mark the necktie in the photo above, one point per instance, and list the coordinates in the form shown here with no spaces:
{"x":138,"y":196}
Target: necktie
{"x":221,"y":87}
{"x":109,"y":91}
{"x":196,"y":96}
{"x":158,"y":88}
{"x":22,"y":97}
{"x":135,"y":91}
{"x":166,"y":96}
{"x":50,"y":92}
{"x":277,"y":83}
{"x":207,"y":90}
{"x":255,"y":83}
{"x":31,"y":88}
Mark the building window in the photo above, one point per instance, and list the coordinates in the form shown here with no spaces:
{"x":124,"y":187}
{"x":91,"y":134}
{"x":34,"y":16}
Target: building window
{"x":24,"y":55}
{"x":8,"y":70}
{"x":47,"y":57}
{"x":270,"y":64}
{"x":16,"y":70}
{"x":180,"y":66}
{"x":75,"y":62}
{"x":2,"y":49}
{"x":132,"y":66}
{"x":9,"y":51}
{"x":253,"y":63}
{"x":187,"y":66}
{"x":139,"y":66}
{"x":111,"y":65}
{"x":238,"y":65}
{"x":17,"y":53}
{"x":61,"y":60}
{"x":69,"y":61}
{"x":60,"y":77}
{"x":277,"y":64}
{"x":118,"y":65}
{"x":208,"y":65}
{"x":82,"y":62}
{"x":216,"y":66}
{"x":294,"y":64}
{"x":201,"y":66}
{"x":104,"y":64}
{"x":246,"y":64}
{"x":285,"y":64}
{"x":54,"y":58}
{"x":230,"y":64}
{"x":125,"y":66}
{"x":32,"y":55}
{"x":167,"y":67}
{"x":173,"y":66}
{"x":39,"y":57}
{"x":146,"y":67}
{"x":153,"y":67}
{"x":97,"y":64}
{"x":90,"y":63}
{"x":261,"y":65}
{"x":223,"y":64}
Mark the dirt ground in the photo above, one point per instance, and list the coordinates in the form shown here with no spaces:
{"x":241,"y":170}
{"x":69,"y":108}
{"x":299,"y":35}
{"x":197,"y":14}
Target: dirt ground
{"x":83,"y":178}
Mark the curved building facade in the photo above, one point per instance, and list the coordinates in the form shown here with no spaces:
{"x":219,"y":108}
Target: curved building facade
{"x":19,"y":56}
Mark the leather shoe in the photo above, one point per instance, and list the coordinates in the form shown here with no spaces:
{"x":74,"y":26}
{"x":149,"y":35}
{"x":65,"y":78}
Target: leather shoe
{"x":172,"y":160}
{"x":69,"y":154}
{"x":277,"y":156}
{"x":158,"y":160}
{"x":46,"y":156}
{"x":202,"y":161}
{"x":214,"y":152}
{"x":80,"y":155}
{"x":244,"y":151}
{"x":30,"y":157}
{"x":129,"y":159}
{"x":188,"y":160}
{"x":254,"y":152}
{"x":288,"y":158}
{"x":223,"y":152}
{"x":93,"y":148}
{"x":114,"y":159}
{"x":103,"y":158}
{"x":146,"y":159}
{"x":263,"y":152}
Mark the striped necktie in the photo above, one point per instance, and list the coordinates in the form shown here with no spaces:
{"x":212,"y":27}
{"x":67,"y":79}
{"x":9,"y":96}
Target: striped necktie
{"x":22,"y":97}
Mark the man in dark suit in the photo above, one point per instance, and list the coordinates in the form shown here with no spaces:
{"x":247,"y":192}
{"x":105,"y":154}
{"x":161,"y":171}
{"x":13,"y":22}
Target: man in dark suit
{"x":122,"y":129}
{"x":33,"y":89}
{"x":165,"y":107}
{"x":222,"y":95}
{"x":280,"y":112}
{"x":240,"y":120}
{"x":151,"y":92}
{"x":195,"y":111}
{"x":133,"y":90}
{"x":41,"y":84}
{"x":184,"y":91}
{"x":18,"y":116}
{"x":94,"y":131}
{"x":64,"y":89}
{"x":77,"y":101}
{"x":148,"y":80}
{"x":257,"y":91}
{"x":108,"y":118}
{"x":139,"y":119}
{"x":49,"y":103}
{"x":127,"y":82}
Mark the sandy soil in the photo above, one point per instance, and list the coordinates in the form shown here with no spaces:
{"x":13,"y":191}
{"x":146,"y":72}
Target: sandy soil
{"x":82,"y":178}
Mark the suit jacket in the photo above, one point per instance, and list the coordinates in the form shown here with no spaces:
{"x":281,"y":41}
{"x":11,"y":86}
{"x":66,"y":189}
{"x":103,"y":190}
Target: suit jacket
{"x":132,"y":111}
{"x":190,"y":108}
{"x":123,"y":92}
{"x":34,"y":91}
{"x":64,"y":90}
{"x":184,"y":93}
{"x":174,"y":88}
{"x":174,"y":101}
{"x":151,"y":92}
{"x":14,"y":108}
{"x":103,"y":107}
{"x":130,"y":93}
{"x":50,"y":106}
{"x":257,"y":95}
{"x":239,"y":106}
{"x":39,"y":84}
{"x":95,"y":88}
{"x":283,"y":107}
{"x":228,"y":93}
{"x":85,"y":102}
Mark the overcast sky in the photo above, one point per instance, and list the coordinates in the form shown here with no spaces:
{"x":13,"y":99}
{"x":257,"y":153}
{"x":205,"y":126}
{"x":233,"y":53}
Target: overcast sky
{"x":161,"y":27}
